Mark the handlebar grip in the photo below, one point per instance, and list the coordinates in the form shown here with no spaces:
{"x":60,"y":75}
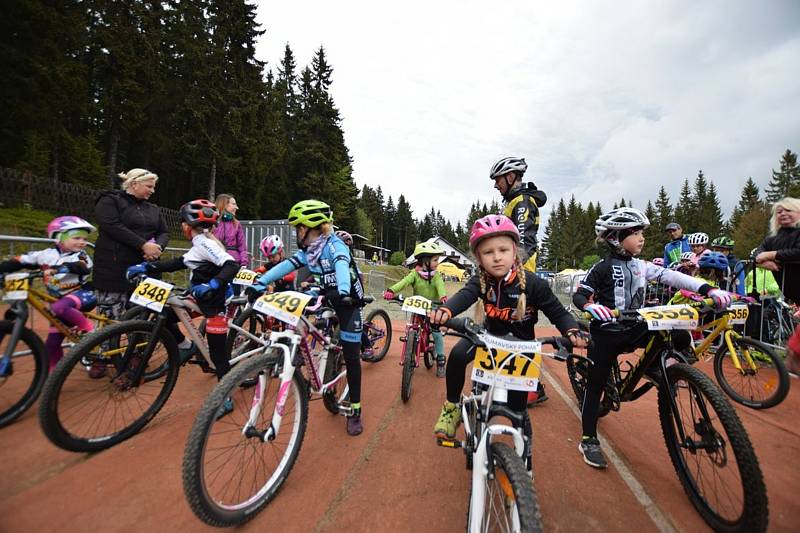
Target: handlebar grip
{"x":461,"y":325}
{"x":368,"y":299}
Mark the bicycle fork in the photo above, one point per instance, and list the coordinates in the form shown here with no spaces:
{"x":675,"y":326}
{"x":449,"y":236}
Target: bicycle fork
{"x":483,"y":469}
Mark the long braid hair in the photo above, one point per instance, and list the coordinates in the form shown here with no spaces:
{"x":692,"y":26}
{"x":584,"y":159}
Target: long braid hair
{"x":483,"y":276}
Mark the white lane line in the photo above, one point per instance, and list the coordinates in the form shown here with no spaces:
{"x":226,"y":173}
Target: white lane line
{"x":658,"y":517}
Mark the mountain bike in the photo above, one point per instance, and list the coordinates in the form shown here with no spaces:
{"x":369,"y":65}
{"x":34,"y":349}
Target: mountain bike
{"x":23,"y":357}
{"x":142,"y":361}
{"x":235,"y":465}
{"x":416,"y":340}
{"x":707,"y":444}
{"x":749,"y":371}
{"x":502,"y":496}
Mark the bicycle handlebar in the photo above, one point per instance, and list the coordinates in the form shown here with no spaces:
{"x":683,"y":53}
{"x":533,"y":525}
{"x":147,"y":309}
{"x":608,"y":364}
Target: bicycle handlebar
{"x":468,"y":329}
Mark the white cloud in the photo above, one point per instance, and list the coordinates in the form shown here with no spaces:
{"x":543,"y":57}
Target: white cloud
{"x":603,"y":99}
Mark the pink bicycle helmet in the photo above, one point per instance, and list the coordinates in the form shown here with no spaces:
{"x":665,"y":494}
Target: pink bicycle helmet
{"x":67,"y":223}
{"x":658,"y":261}
{"x":271,"y":245}
{"x":346,"y":237}
{"x":491,"y":226}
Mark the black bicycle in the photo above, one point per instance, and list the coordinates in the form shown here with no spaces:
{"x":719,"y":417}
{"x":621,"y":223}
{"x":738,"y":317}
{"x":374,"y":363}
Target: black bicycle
{"x":708,"y":445}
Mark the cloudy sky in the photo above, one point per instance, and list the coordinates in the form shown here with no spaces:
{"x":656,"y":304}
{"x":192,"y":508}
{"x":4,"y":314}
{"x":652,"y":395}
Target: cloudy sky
{"x":604,"y":99}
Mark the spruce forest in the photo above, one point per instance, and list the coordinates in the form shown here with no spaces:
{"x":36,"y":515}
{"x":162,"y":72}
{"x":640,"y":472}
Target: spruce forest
{"x":96,"y":87}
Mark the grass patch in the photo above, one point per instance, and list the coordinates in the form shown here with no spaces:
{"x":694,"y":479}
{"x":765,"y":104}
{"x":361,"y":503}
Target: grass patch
{"x":24,"y":222}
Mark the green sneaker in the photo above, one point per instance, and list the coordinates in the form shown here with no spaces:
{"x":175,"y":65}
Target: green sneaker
{"x":448,"y":421}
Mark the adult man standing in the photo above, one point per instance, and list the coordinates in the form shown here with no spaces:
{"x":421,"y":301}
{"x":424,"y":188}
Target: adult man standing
{"x":523,"y":201}
{"x":677,"y":245}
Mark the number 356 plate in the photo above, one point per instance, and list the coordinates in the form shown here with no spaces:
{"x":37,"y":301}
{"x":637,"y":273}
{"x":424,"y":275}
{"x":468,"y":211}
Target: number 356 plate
{"x":152,"y":294}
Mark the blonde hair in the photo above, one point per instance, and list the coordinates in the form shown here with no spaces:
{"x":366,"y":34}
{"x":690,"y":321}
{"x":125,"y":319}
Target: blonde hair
{"x":135,"y":175}
{"x":483,"y":276}
{"x":789,"y":204}
{"x":221,"y":202}
{"x":326,"y":228}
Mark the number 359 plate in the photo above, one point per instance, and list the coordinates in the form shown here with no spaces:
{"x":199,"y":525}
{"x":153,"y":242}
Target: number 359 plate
{"x":151,"y":293}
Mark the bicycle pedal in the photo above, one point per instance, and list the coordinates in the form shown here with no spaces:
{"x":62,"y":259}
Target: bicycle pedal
{"x":449,"y":443}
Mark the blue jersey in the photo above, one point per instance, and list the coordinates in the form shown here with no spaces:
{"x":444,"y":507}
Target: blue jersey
{"x":674,"y":249}
{"x":335,"y":269}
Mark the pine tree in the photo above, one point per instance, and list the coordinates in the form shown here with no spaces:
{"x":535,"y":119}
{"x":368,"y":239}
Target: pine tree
{"x":751,"y":229}
{"x":685,"y":210}
{"x":712,"y":213}
{"x":653,"y":245}
{"x":786,"y":181}
{"x":750,"y":198}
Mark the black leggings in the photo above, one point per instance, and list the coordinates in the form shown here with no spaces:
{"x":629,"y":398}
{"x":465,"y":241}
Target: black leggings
{"x":350,"y":341}
{"x":461,"y":355}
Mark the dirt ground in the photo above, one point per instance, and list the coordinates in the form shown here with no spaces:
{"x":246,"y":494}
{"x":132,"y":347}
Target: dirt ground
{"x":391,"y":478}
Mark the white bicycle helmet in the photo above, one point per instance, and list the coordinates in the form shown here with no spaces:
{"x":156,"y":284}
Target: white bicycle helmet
{"x":620,"y":219}
{"x":697,"y":238}
{"x":687,"y":256}
{"x":508,"y":164}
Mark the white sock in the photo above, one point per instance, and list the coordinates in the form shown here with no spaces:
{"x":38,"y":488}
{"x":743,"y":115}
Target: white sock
{"x":186,"y":344}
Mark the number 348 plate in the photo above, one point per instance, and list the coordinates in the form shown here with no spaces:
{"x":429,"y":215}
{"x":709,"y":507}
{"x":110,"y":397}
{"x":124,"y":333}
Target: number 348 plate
{"x":152,"y":294}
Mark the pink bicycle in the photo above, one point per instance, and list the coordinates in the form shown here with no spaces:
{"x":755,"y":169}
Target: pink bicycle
{"x":417,"y":340}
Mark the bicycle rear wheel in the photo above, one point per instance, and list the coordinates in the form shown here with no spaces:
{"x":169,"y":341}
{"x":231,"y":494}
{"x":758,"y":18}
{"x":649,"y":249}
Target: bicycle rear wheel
{"x":335,"y":396}
{"x":765,"y":386}
{"x":715,"y":463}
{"x":510,"y":503}
{"x":227,"y":476}
{"x":409,"y":361}
{"x":26,"y":375}
{"x":82,"y":414}
{"x":378,"y":327}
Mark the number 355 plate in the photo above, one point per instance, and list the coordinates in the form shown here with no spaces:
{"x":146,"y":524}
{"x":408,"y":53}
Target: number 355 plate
{"x":152,"y":294}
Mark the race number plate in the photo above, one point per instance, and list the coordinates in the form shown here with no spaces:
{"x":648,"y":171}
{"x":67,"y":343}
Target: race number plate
{"x":738,"y":314}
{"x":670,"y":317}
{"x":503,"y":364}
{"x":418,"y":305}
{"x":152,"y":294}
{"x":286,"y":306}
{"x":16,"y":287}
{"x":245,"y":277}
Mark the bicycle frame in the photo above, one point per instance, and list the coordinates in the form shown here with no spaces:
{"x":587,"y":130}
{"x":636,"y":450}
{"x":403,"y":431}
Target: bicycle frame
{"x":422,"y":327}
{"x":296,"y":341}
{"x":721,"y":326}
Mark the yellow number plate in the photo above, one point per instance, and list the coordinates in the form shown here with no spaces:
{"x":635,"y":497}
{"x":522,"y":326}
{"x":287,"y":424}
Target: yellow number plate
{"x":670,"y":317}
{"x":245,"y":277}
{"x":417,"y":304}
{"x":507,"y":369}
{"x":286,"y":306}
{"x":152,"y":294}
{"x":16,"y":287}
{"x":738,"y":314}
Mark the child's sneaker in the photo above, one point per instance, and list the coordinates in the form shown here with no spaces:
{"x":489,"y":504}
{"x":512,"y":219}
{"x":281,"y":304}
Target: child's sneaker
{"x":225,"y":408}
{"x":449,"y":419}
{"x":538,"y":396}
{"x":592,"y":454}
{"x":354,"y":425}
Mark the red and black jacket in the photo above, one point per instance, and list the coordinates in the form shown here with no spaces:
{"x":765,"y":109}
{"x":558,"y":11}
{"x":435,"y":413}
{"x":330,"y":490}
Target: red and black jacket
{"x":500,"y":305}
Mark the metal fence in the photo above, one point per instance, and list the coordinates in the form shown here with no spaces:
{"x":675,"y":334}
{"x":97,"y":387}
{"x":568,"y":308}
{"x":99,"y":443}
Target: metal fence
{"x":255,"y":230}
{"x":25,"y":190}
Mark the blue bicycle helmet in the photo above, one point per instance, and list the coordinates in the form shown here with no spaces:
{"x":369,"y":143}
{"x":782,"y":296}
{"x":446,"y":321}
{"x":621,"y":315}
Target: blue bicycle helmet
{"x":713,"y":260}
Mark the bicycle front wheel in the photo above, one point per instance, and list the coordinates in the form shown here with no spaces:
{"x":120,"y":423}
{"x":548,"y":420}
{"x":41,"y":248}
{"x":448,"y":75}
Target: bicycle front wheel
{"x":228,"y":475}
{"x":510,"y":502}
{"x":714,"y":461}
{"x":81,"y":413}
{"x":378,"y":327}
{"x":409,"y":361}
{"x":26,"y":374}
{"x":761,"y":385}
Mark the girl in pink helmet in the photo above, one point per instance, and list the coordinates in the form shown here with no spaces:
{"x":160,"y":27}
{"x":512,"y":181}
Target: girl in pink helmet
{"x":66,"y":267}
{"x":510,"y":299}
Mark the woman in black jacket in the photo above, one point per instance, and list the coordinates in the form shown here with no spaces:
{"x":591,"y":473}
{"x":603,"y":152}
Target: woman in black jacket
{"x":132,"y":230}
{"x":780,"y":251}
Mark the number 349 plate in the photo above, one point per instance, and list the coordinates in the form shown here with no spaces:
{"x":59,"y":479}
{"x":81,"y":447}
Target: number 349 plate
{"x":151,"y":293}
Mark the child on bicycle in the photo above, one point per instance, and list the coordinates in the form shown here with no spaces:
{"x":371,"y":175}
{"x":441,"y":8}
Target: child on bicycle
{"x":212,"y":270}
{"x":66,"y":267}
{"x":329,"y":260}
{"x":272,"y":248}
{"x":618,"y":282}
{"x":426,"y":281}
{"x":509,"y":297}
